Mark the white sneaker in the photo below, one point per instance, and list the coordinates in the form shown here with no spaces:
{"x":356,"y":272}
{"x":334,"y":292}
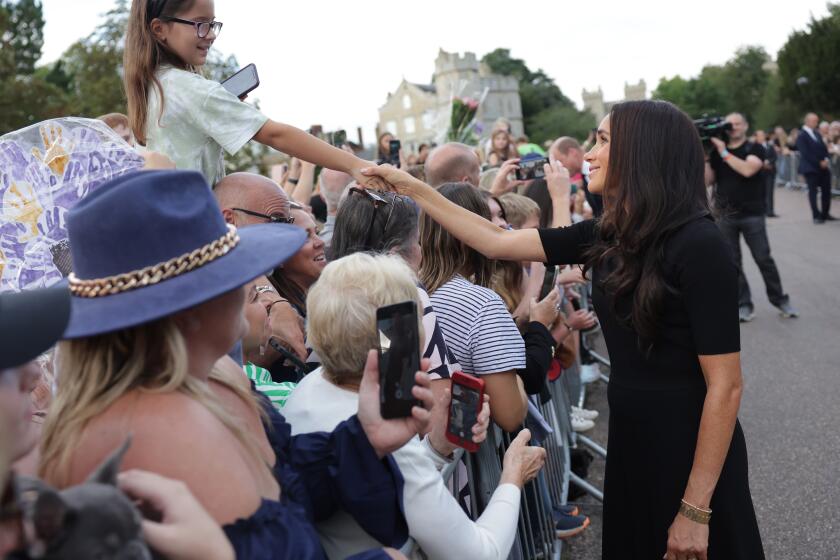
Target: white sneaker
{"x":581,"y":424}
{"x":585,"y":413}
{"x":589,"y":373}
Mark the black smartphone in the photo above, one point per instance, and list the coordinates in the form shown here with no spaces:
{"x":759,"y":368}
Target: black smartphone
{"x":243,"y":82}
{"x":549,"y":282}
{"x":338,"y":138}
{"x":394,"y":153}
{"x":399,"y":358}
{"x":531,"y":169}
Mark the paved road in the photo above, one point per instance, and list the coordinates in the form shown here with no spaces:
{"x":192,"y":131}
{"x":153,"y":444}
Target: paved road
{"x":791,"y":406}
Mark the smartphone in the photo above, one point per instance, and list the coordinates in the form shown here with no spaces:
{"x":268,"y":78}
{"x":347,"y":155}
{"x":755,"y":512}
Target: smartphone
{"x":399,"y":358}
{"x":243,"y":82}
{"x":338,"y":138}
{"x":467,"y":400}
{"x":531,"y":169}
{"x":394,"y":153}
{"x":549,"y":281}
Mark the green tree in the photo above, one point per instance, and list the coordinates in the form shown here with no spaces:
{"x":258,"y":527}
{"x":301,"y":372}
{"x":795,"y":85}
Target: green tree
{"x":24,"y":33}
{"x":546,"y":112}
{"x":94,"y":67}
{"x":561,"y":121}
{"x":25,"y":96}
{"x":809,"y":65}
{"x":745,"y":78}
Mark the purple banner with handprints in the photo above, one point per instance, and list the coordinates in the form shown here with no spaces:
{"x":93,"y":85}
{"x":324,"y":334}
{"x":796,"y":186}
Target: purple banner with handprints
{"x":45,"y":170}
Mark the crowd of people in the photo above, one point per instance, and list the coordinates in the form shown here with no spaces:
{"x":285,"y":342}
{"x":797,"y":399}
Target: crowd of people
{"x":225,"y":327}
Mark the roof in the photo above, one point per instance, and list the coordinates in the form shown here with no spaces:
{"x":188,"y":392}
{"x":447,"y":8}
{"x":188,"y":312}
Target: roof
{"x":428,"y":88}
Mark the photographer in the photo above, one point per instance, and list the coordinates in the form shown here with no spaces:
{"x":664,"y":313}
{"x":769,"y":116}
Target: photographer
{"x":736,"y":169}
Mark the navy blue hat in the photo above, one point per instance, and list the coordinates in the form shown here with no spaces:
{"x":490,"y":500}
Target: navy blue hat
{"x":152,"y":243}
{"x":30,"y":323}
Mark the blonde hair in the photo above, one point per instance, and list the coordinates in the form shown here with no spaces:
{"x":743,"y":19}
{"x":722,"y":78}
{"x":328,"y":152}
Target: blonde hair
{"x":141,"y":59}
{"x":519,"y":208}
{"x":342,"y":304}
{"x":96,"y":371}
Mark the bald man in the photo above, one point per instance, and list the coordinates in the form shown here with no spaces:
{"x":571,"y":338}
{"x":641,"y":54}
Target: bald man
{"x":247,"y":199}
{"x":452,"y":163}
{"x":333,"y":184}
{"x":814,"y":165}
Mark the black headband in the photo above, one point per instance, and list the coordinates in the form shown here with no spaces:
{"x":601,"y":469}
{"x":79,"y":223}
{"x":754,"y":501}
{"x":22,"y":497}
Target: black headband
{"x":154,"y":8}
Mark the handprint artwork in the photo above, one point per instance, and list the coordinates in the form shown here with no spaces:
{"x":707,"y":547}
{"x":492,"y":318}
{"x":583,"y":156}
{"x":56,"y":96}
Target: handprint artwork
{"x":56,"y":156}
{"x":45,"y":170}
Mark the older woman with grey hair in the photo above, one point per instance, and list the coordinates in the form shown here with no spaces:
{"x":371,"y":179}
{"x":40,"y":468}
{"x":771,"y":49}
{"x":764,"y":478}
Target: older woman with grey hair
{"x":342,"y":329}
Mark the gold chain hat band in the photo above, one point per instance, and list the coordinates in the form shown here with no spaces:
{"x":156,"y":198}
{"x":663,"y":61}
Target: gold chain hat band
{"x":155,"y":273}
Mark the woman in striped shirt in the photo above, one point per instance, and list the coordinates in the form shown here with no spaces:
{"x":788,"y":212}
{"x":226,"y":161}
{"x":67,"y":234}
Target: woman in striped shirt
{"x":478,"y":328}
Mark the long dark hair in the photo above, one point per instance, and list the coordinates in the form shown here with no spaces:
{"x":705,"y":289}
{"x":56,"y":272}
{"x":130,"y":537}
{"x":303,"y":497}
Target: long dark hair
{"x":142,"y":58}
{"x":360,"y":226}
{"x":654,"y":186}
{"x":443,"y":255}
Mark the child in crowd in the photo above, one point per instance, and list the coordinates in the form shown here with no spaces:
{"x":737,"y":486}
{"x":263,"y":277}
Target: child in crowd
{"x":174,"y":110}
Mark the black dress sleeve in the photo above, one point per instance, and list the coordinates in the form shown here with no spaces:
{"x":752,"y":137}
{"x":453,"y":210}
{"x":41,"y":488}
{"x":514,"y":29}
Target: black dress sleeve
{"x":708,"y":282}
{"x":539,"y":350}
{"x":567,"y":245}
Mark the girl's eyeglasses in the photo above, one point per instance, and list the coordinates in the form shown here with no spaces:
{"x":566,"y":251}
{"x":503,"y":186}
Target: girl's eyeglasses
{"x":202,"y":28}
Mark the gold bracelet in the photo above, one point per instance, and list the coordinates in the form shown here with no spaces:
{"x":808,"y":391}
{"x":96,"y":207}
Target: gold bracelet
{"x":696,"y":514}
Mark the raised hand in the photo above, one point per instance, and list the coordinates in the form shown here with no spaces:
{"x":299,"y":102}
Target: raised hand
{"x":386,"y":436}
{"x":502,"y":184}
{"x":440,"y":416}
{"x":558,"y":180}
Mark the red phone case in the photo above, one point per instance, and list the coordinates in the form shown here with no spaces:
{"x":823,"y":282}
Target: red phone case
{"x":475,"y":384}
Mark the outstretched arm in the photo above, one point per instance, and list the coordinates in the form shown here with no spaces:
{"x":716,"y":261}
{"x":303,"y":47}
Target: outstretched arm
{"x":472,"y":229}
{"x":297,"y":143}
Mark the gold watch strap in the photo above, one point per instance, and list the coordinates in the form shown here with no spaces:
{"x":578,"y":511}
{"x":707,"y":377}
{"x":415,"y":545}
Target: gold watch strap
{"x":696,"y":514}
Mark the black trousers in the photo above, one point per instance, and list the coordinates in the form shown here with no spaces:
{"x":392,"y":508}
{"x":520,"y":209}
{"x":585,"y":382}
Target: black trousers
{"x":819,"y":181}
{"x":770,"y":191}
{"x":754,"y":230}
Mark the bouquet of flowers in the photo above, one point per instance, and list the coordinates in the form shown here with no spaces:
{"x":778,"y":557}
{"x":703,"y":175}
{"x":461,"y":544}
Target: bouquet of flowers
{"x":463,"y":125}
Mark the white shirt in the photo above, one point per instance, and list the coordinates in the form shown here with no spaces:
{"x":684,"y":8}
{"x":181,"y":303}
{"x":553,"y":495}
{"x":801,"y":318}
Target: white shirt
{"x":200,"y":118}
{"x":810,"y":132}
{"x":435,"y":520}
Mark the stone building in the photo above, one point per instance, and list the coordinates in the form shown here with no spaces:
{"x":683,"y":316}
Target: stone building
{"x":593,"y":101}
{"x":418,"y":113}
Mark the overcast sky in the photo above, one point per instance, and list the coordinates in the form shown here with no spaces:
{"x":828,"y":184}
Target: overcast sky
{"x":333,"y":63}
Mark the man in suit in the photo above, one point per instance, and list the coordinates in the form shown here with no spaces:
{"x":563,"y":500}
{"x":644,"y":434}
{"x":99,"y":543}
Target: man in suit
{"x":770,"y":157}
{"x":813,"y":164}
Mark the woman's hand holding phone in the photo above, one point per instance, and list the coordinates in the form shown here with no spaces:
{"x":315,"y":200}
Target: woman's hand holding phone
{"x":522,"y":462}
{"x":440,"y":415}
{"x":387,"y":436}
{"x":558,"y":180}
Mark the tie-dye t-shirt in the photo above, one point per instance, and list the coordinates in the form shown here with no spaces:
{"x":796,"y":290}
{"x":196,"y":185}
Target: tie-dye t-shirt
{"x":200,"y":119}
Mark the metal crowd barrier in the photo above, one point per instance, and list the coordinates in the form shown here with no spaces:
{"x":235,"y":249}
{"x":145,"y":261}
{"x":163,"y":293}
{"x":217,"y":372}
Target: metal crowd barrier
{"x":536,"y":536}
{"x":787,"y":173}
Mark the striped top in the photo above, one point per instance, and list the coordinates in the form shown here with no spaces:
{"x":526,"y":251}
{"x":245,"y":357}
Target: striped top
{"x":277,"y":393}
{"x":478,"y":328}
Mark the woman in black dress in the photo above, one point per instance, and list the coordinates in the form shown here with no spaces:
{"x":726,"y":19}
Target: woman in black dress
{"x":666,"y":292}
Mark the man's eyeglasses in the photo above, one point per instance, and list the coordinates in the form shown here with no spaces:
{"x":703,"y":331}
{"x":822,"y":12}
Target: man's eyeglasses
{"x":202,"y":28}
{"x":273,"y":218}
{"x":378,"y":200}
